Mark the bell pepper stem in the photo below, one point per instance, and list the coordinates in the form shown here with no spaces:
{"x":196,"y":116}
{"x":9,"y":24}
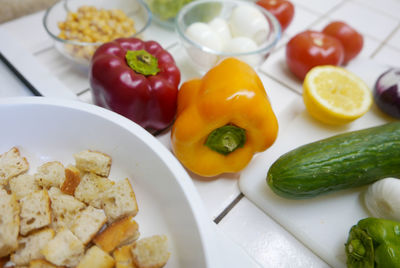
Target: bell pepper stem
{"x":142,"y":62}
{"x":359,"y":249}
{"x":226,"y":139}
{"x":356,"y":249}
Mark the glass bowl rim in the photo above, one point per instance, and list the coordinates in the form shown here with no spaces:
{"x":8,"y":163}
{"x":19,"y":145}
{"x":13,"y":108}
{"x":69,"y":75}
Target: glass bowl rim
{"x":263,"y":49}
{"x":74,"y":42}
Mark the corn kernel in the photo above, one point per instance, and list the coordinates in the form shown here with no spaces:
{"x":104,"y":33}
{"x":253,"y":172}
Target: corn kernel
{"x":86,"y":39}
{"x":91,"y":25}
{"x":62,"y":35}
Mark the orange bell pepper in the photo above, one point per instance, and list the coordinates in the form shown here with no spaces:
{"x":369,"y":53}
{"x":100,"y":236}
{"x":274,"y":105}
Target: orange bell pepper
{"x":222,"y":120}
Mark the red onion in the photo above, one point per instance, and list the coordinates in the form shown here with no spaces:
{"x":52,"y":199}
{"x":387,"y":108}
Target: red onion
{"x":387,"y":92}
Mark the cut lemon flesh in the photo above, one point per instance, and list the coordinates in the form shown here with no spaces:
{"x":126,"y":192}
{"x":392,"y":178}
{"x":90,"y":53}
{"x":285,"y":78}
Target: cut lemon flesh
{"x":335,"y":95}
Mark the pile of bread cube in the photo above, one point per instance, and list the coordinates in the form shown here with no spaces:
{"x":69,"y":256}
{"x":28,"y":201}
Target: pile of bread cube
{"x":72,"y":216}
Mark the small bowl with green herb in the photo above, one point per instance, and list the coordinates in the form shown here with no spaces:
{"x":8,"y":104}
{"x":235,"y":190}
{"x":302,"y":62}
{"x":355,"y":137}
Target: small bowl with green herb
{"x":165,"y":11}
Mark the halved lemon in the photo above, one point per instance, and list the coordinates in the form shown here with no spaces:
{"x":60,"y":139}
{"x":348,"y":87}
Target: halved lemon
{"x":334,"y":95}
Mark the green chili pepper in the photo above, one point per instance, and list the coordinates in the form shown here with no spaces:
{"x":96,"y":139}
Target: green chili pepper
{"x":374,"y":243}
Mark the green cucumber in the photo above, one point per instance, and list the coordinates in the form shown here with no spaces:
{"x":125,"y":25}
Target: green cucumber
{"x":343,"y":161}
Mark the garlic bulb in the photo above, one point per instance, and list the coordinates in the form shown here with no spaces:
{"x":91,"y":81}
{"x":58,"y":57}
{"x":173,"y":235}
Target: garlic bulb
{"x":382,"y":199}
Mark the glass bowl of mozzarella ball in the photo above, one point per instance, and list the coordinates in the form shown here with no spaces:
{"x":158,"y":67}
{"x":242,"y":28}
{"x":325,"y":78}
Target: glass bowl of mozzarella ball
{"x":211,"y":30}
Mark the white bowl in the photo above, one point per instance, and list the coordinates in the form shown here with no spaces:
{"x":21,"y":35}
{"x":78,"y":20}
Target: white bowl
{"x":46,"y":129}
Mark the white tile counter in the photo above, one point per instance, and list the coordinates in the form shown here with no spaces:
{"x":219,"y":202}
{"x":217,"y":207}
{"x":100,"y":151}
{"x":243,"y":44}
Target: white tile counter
{"x":262,"y":238}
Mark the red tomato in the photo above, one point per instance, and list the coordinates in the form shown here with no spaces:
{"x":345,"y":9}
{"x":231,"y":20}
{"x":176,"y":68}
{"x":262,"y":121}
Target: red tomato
{"x":309,"y":49}
{"x":351,"y":40}
{"x":283,"y":10}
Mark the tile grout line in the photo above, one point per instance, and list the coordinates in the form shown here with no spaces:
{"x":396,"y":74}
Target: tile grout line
{"x":327,"y":13}
{"x":218,"y":219}
{"x":370,"y":36}
{"x":382,"y":12}
{"x":280,"y":82}
{"x":171,"y":46}
{"x":384,"y":42}
{"x":321,"y":16}
{"x":42,"y":50}
{"x":390,"y":45}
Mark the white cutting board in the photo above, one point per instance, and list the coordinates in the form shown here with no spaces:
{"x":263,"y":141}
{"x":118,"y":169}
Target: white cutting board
{"x":321,"y":223}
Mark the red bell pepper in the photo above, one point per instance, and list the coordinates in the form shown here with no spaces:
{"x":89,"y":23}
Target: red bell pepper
{"x":137,"y":79}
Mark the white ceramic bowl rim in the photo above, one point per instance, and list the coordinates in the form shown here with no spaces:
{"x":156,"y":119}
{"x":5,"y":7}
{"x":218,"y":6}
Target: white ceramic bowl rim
{"x":73,"y":42}
{"x":184,"y":182}
{"x":266,"y":47}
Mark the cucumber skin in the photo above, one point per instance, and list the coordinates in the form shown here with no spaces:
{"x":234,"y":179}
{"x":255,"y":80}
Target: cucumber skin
{"x":340,"y":162}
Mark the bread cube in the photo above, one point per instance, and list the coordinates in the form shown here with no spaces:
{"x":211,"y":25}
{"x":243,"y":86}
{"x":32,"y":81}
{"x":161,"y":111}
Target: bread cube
{"x":65,"y":208}
{"x":9,"y":224}
{"x":123,"y":257}
{"x":50,"y":174}
{"x":65,"y":249}
{"x":41,"y":263}
{"x":94,"y":162}
{"x":119,"y":201}
{"x":12,"y":164}
{"x":90,"y":188}
{"x":30,"y":246}
{"x":35,"y":211}
{"x":95,"y":257}
{"x":88,"y":223}
{"x":72,"y":180}
{"x":119,"y":233}
{"x":150,"y":252}
{"x":23,"y":184}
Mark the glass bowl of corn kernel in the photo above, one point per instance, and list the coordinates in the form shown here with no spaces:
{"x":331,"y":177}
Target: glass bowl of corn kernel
{"x":79,"y":27}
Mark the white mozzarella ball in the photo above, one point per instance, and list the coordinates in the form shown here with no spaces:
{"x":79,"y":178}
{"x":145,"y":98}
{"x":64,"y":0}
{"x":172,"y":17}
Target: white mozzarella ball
{"x":243,"y":44}
{"x":202,"y":34}
{"x":248,"y":21}
{"x":240,"y":44}
{"x":221,"y":27}
{"x":202,"y":59}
